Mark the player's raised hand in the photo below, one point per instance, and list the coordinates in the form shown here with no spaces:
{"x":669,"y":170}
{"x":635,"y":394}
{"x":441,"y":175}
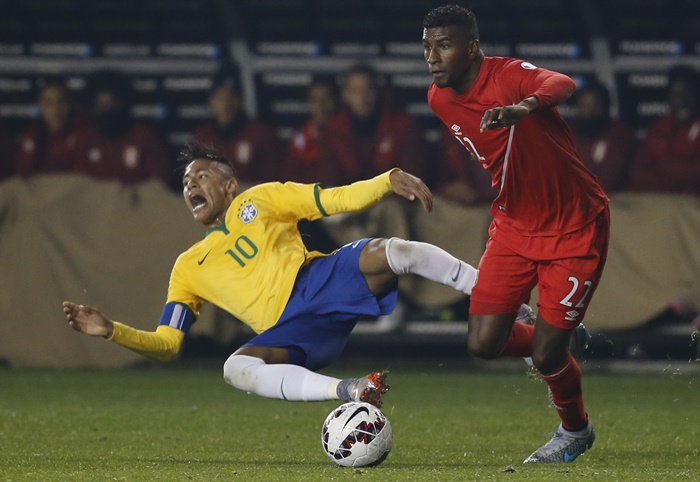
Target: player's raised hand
{"x":87,"y":319}
{"x":411,"y":187}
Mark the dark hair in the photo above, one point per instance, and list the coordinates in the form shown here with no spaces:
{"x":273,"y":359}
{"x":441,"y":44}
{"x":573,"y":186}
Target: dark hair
{"x":45,"y":82}
{"x":228,"y":75}
{"x":195,"y":150}
{"x":362,"y":69}
{"x":448,"y":15}
{"x":600,"y":90}
{"x":325,"y":80}
{"x":114,"y":81}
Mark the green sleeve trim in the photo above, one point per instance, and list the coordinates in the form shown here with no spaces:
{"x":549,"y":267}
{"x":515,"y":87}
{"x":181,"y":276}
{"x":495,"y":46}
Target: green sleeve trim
{"x":317,"y":197}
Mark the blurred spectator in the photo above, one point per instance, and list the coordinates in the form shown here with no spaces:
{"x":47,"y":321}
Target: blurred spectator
{"x":252,"y":145}
{"x":48,"y":145}
{"x":458,"y":178}
{"x":367,"y":136}
{"x":304,"y":162}
{"x":606,"y":146}
{"x":669,"y":157}
{"x":8,"y":152}
{"x":113,"y":146}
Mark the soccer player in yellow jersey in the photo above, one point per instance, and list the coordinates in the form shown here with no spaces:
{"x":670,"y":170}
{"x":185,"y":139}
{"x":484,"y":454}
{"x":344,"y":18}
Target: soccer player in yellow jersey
{"x":303,"y":305}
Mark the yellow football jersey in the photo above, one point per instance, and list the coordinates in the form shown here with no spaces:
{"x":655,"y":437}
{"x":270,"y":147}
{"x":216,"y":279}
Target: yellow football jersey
{"x":249,"y":264}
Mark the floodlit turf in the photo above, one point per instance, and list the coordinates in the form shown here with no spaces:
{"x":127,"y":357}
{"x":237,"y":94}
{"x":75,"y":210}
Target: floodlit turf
{"x":184,"y":425}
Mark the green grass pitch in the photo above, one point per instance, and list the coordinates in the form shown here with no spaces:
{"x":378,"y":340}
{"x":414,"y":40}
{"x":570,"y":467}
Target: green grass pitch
{"x":176,"y":424}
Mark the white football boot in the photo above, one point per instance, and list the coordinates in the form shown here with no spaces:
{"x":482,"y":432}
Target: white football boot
{"x":564,"y":446}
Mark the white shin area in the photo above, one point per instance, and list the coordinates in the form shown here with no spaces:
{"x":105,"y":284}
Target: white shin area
{"x":430,"y":262}
{"x":281,"y":381}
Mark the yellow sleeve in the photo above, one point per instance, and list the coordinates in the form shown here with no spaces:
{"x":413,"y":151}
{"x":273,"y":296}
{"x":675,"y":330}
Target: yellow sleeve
{"x":354,"y":197}
{"x":162,"y":345}
{"x":179,"y":287}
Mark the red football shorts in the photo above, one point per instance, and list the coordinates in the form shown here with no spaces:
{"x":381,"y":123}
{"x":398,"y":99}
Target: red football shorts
{"x":565,"y":268}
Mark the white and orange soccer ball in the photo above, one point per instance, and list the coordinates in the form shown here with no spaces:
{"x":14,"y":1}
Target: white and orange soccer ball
{"x":357,"y":434}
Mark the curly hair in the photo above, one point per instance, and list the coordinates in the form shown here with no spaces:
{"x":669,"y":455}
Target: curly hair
{"x":448,"y":15}
{"x":195,"y":150}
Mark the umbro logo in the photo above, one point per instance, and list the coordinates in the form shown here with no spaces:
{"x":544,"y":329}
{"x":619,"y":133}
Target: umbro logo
{"x":571,"y":315}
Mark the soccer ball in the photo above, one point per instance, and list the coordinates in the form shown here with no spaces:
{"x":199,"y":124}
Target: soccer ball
{"x":357,"y":434}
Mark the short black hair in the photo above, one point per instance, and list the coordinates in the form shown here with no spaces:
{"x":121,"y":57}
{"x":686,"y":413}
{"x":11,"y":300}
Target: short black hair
{"x":114,"y":81}
{"x":448,"y":15}
{"x":51,"y":81}
{"x":325,"y":80}
{"x":195,"y":150}
{"x":600,"y":90}
{"x":362,"y":69}
{"x":228,"y":75}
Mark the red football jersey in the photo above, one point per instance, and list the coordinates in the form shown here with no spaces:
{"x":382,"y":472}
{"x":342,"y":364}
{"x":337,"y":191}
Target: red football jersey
{"x":304,"y":162}
{"x":42,"y":151}
{"x":255,"y":151}
{"x":136,"y":156}
{"x":609,"y":154}
{"x":669,"y":159}
{"x":398,"y":141}
{"x":543,"y":187}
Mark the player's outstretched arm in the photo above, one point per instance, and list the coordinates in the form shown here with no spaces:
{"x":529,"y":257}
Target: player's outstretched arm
{"x":411,"y":187}
{"x":163,"y":344}
{"x":87,"y":319}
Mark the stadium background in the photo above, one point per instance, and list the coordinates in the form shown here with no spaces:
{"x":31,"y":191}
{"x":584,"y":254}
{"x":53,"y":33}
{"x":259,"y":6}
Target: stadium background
{"x":170,"y":49}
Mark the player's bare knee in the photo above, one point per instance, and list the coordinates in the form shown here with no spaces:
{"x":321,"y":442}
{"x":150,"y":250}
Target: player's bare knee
{"x":373,"y":260}
{"x":482,"y":349}
{"x":547,"y":362}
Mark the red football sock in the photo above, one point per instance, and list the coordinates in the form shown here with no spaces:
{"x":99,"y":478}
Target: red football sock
{"x":519,"y":341}
{"x":567,"y":395}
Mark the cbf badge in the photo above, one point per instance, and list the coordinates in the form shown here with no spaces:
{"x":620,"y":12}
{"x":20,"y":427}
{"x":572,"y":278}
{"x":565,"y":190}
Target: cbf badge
{"x":248,"y":213}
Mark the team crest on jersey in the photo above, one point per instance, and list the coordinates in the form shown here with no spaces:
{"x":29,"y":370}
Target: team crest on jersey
{"x":248,"y":212}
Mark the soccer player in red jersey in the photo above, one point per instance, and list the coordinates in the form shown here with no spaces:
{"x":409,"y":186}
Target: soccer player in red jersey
{"x":304,"y":162}
{"x":48,"y":145}
{"x":550,"y":223}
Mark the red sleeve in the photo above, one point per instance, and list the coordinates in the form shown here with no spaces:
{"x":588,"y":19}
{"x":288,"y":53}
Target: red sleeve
{"x":550,"y":88}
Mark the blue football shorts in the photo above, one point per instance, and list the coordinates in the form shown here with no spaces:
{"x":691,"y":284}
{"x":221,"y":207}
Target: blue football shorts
{"x":329,"y":296}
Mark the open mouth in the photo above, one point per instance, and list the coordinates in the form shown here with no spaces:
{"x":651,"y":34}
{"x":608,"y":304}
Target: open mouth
{"x":197,"y":202}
